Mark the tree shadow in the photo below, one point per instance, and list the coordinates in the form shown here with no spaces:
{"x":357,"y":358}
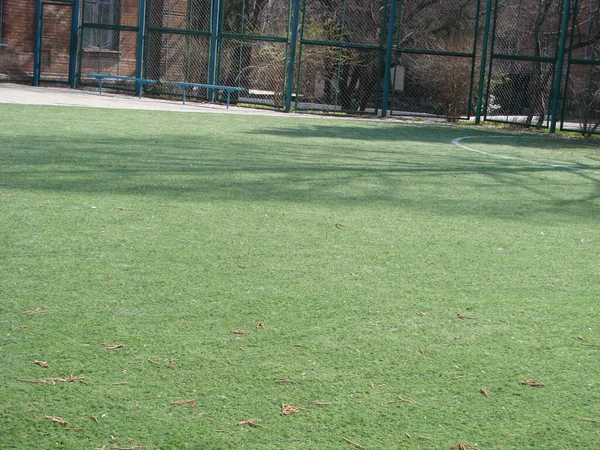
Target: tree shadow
{"x":338,"y":164}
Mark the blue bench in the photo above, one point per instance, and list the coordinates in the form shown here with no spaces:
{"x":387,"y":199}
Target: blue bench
{"x":229,"y":89}
{"x":101,"y":77}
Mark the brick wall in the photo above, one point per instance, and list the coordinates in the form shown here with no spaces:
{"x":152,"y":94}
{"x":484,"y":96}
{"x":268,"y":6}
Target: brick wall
{"x":16,"y":57}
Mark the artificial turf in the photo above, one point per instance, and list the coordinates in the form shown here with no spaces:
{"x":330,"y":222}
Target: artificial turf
{"x":413,"y":289}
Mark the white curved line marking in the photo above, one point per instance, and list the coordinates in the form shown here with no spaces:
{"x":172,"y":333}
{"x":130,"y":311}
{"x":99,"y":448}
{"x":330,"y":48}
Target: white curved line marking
{"x":458,"y":143}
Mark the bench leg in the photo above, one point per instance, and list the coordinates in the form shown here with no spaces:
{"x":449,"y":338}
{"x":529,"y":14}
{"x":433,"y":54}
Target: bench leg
{"x":228,"y":95}
{"x":100,"y":85}
{"x":183,"y":91}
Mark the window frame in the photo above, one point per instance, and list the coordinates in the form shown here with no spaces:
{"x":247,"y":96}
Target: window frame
{"x":103,"y":12}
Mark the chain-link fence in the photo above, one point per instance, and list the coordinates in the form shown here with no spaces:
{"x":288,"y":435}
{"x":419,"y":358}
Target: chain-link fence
{"x":55,"y":42}
{"x":543,"y":63}
{"x":581,"y":108}
{"x":108,"y":42}
{"x":434,"y":63}
{"x":341,"y":55}
{"x":523,"y":61}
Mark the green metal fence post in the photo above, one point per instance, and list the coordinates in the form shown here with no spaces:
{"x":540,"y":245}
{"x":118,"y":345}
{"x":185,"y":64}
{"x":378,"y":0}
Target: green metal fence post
{"x":388,"y":59}
{"x":140,"y":47}
{"x":214,"y":29}
{"x":74,"y":40}
{"x":292,"y":58}
{"x":559,"y":63}
{"x":484,"y":49}
{"x":37,"y":52}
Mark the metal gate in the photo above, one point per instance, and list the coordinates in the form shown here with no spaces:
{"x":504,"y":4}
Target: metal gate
{"x":56,"y":41}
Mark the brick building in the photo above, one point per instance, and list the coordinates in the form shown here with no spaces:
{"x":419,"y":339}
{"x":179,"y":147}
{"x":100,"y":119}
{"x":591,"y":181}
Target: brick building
{"x":17,"y":39}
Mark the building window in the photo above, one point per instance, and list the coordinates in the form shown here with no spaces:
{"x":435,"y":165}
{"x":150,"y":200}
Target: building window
{"x":102,"y":12}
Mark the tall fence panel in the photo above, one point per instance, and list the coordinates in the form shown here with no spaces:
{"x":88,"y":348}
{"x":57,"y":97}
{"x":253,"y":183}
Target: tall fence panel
{"x":55,"y":42}
{"x":523,"y":61}
{"x":434,"y":60}
{"x":108,"y":43}
{"x":178,"y":41}
{"x":253,"y":49}
{"x":341,"y":55}
{"x":581,"y":107}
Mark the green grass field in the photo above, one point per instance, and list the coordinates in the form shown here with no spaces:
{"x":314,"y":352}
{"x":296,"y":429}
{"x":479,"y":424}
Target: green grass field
{"x":393,"y":277}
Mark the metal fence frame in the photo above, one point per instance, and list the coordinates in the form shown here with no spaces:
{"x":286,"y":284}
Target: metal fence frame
{"x":293,"y":44}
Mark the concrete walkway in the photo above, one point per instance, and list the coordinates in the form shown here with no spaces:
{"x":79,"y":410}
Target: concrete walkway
{"x":30,"y":95}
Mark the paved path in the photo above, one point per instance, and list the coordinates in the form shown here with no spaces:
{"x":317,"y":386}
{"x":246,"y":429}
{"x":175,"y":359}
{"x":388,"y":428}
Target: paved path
{"x":30,"y":95}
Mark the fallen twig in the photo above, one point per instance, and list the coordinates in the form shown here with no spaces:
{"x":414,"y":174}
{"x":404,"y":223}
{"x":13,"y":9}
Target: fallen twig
{"x":94,"y":418}
{"x":532,"y":383}
{"x":356,"y":444}
{"x":53,"y":381}
{"x":38,"y":310}
{"x":156,"y":363}
{"x":401,"y":399}
{"x":462,"y":446}
{"x":75,"y":429}
{"x":31,"y":381}
{"x":250,"y":423}
{"x":183,"y":402}
{"x":422,"y":314}
{"x":112,"y":346}
{"x":590,"y":345}
{"x":43,"y":364}
{"x":56,"y":420}
{"x":284,"y":380}
{"x":339,"y":226}
{"x":590,"y":420}
{"x":240,"y":332}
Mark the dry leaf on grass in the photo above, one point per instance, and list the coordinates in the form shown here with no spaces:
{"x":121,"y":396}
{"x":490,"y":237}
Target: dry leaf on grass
{"x":289,"y":409}
{"x":376,"y":386}
{"x":284,"y":380}
{"x":339,"y":226}
{"x":250,"y":423}
{"x":462,"y":446}
{"x":462,"y":316}
{"x":484,"y":391}
{"x":316,"y":402}
{"x":156,"y":363}
{"x":422,"y":314}
{"x":43,"y":364}
{"x":240,"y":332}
{"x":421,"y":351}
{"x":56,"y":420}
{"x":183,"y":402}
{"x":356,"y":444}
{"x":39,"y":310}
{"x":532,"y":383}
{"x":260,"y":325}
{"x":94,"y":418}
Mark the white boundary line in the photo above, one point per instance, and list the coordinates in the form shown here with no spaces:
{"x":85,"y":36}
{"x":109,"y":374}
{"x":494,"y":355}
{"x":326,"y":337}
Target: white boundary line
{"x":458,"y":143}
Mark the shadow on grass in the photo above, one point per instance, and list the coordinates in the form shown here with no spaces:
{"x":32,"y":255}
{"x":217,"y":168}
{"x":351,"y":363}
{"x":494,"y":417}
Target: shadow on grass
{"x":411,"y":166}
